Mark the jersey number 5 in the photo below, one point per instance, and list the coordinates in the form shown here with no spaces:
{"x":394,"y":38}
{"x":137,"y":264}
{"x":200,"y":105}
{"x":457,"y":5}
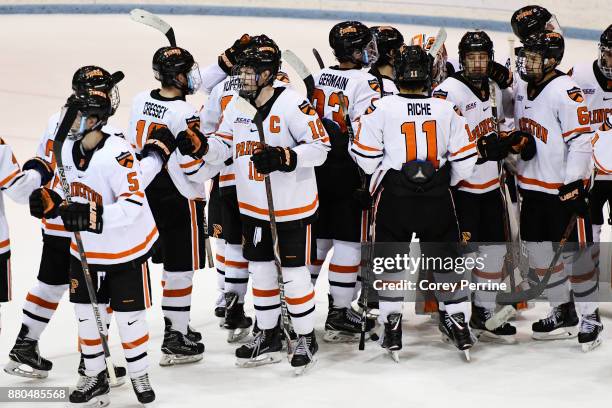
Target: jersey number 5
{"x":318,"y":100}
{"x":409,"y":132}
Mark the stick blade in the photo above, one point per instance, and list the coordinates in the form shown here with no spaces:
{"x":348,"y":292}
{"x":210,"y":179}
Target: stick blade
{"x":297,"y":64}
{"x":244,"y":106}
{"x":150,"y":19}
{"x":438,"y":43}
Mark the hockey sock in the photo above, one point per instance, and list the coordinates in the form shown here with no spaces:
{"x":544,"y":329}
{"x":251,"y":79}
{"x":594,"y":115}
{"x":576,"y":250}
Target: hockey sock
{"x":584,"y":280}
{"x":492,"y":258}
{"x":89,"y":339}
{"x":299,"y":295}
{"x":461,"y":307}
{"x":323,"y":247}
{"x":236,"y":271}
{"x":220,"y":264}
{"x":266,"y":299}
{"x":387,"y":308}
{"x":343,"y":271}
{"x":540,"y":255}
{"x":176,"y":300}
{"x":134,"y":333}
{"x":40,"y":304}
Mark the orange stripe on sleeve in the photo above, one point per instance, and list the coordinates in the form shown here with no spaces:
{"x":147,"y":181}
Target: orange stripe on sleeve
{"x":191,"y":163}
{"x":9,"y":178}
{"x":227,"y":177}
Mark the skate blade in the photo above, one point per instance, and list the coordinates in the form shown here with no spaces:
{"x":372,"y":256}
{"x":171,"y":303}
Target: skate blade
{"x":562,"y":333}
{"x":394,"y":354}
{"x":264,"y":359}
{"x":586,"y":347}
{"x":298,"y":371}
{"x":235,"y":335}
{"x":505,"y":313}
{"x":466,"y":354}
{"x":120,"y":381}
{"x":96,"y":402}
{"x":488,"y":337}
{"x":221,"y":322}
{"x":15,"y":368}
{"x":336,"y":336}
{"x":176,"y":359}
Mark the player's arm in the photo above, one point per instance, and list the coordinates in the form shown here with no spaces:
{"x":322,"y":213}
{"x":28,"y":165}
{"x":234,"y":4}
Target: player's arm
{"x":462,"y":152}
{"x":367,"y":147}
{"x":217,"y":147}
{"x":215,"y":73}
{"x":17,"y":184}
{"x":367,"y":92}
{"x":574,"y":122}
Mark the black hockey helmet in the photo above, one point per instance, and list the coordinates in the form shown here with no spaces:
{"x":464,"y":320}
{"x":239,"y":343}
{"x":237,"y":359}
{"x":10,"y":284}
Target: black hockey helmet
{"x":92,"y":76}
{"x":353,"y":41}
{"x":475,"y":41}
{"x":413,"y":68}
{"x":169,"y":62}
{"x":95,"y":105}
{"x":262,"y":54}
{"x":534,"y":58}
{"x":388,"y":42}
{"x":531,"y":19}
{"x":605,"y":52}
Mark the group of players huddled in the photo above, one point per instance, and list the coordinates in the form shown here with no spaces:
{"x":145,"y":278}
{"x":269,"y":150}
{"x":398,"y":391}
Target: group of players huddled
{"x":427,"y":138}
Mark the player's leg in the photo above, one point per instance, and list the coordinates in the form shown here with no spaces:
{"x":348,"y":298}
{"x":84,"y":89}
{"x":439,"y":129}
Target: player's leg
{"x":215,"y":230}
{"x":323,"y":233}
{"x":5,"y":280}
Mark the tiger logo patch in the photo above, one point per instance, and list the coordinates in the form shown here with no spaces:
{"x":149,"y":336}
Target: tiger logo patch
{"x":374,"y":85}
{"x":575,"y":94}
{"x":466,"y":236}
{"x":125,"y":159}
{"x":307,"y":108}
{"x":217,"y":230}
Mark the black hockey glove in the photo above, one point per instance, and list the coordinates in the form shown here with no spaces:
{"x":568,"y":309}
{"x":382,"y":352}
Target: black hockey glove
{"x":337,"y":139}
{"x":500,"y":74}
{"x":492,"y":148}
{"x":44,"y":203}
{"x":363,"y":197}
{"x":273,"y":158}
{"x":522,"y":143}
{"x":573,"y":197}
{"x":161,"y":142}
{"x":82,"y":216}
{"x":227,"y":60}
{"x":41,"y":166}
{"x":192,"y":142}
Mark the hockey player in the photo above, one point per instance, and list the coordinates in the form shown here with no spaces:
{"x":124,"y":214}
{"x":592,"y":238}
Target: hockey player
{"x":53,"y":276}
{"x":416,"y":147}
{"x":177,"y":202}
{"x":595,"y":80}
{"x":388,"y":42}
{"x":478,"y":200}
{"x":110,"y":210}
{"x":298,"y":142}
{"x":341,"y":223}
{"x":548,"y":104}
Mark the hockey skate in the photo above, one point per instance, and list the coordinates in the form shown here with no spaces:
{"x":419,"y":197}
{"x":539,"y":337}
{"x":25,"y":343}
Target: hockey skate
{"x":25,"y":359}
{"x":457,"y":332}
{"x":590,"y":328}
{"x":237,"y":324}
{"x":220,"y":309}
{"x":560,"y":324}
{"x":265,"y":348}
{"x":91,"y":391}
{"x":142,"y":388}
{"x":120,"y":373}
{"x":178,"y":349}
{"x":392,"y":335}
{"x":304,"y":358}
{"x":503,"y":334}
{"x":343,"y":325}
{"x":192,"y":335}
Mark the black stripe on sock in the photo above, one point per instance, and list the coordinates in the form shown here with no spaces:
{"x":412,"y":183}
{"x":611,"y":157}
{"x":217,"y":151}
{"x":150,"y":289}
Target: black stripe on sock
{"x":236,"y":280}
{"x":342,"y":284}
{"x":306,"y":313}
{"x":35,"y":317}
{"x":270,"y":307}
{"x":90,"y":356}
{"x":177,"y":308}
{"x":136,"y":358}
{"x":560,"y":282}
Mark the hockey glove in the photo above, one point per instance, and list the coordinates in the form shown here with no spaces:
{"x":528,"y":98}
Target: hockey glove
{"x":523,"y":143}
{"x":161,"y":142}
{"x":82,"y":216}
{"x":273,"y":158}
{"x":44,"y":203}
{"x":573,"y":197}
{"x":337,"y":139}
{"x":41,"y":166}
{"x":500,"y":74}
{"x":227,"y":60}
{"x":363,"y":197}
{"x":191,"y":142}
{"x":492,"y":148}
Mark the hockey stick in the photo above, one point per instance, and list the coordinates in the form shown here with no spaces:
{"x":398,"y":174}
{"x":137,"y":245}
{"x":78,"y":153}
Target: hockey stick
{"x":60,"y":137}
{"x":300,"y":68}
{"x":246,"y":108}
{"x":438,"y":43}
{"x":318,"y":58}
{"x":150,"y":19}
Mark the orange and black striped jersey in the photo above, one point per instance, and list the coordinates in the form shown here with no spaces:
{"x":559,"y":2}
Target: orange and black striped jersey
{"x":552,"y":113}
{"x":111,"y":178}
{"x":398,"y":129}
{"x":291,"y":122}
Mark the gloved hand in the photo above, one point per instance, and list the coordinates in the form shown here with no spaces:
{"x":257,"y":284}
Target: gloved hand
{"x":492,"y":148}
{"x":523,"y":143}
{"x":500,"y":74}
{"x":363,"y":197}
{"x":573,"y":197}
{"x":337,"y":139}
{"x":191,"y":142}
{"x":227,"y":60}
{"x":273,"y":158}
{"x":44,"y":203}
{"x":42,"y":167}
{"x":82,"y":216}
{"x":160,"y":141}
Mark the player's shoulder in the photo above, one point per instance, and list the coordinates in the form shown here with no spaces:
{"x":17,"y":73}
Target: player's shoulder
{"x":581,"y":71}
{"x":564,"y":88}
{"x":118,"y":152}
{"x":112,"y":130}
{"x":450,"y":85}
{"x":290,"y":100}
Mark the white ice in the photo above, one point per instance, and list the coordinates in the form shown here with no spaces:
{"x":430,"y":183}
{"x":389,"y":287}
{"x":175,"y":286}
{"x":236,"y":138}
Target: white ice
{"x":39,"y":55}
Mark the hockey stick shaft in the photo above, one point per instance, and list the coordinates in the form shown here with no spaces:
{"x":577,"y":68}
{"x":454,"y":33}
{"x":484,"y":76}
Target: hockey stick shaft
{"x":60,"y":136}
{"x":207,"y":248}
{"x":318,"y":58}
{"x":300,"y":68}
{"x":150,"y":19}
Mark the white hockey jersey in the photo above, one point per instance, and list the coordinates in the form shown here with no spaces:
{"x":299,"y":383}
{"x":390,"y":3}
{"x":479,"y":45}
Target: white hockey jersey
{"x":602,"y":146}
{"x":597,"y":92}
{"x":54,"y":226}
{"x":291,"y":122}
{"x":398,"y":129}
{"x":552,"y":114}
{"x":111,"y":178}
{"x":475,"y":106}
{"x":150,"y":110}
{"x":16,"y":184}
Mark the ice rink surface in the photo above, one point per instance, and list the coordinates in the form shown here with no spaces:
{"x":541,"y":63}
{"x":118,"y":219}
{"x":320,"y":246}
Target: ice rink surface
{"x":40,"y":53}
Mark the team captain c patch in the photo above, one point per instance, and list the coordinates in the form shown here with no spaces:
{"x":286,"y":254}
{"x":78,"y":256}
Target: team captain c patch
{"x":125,"y":159}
